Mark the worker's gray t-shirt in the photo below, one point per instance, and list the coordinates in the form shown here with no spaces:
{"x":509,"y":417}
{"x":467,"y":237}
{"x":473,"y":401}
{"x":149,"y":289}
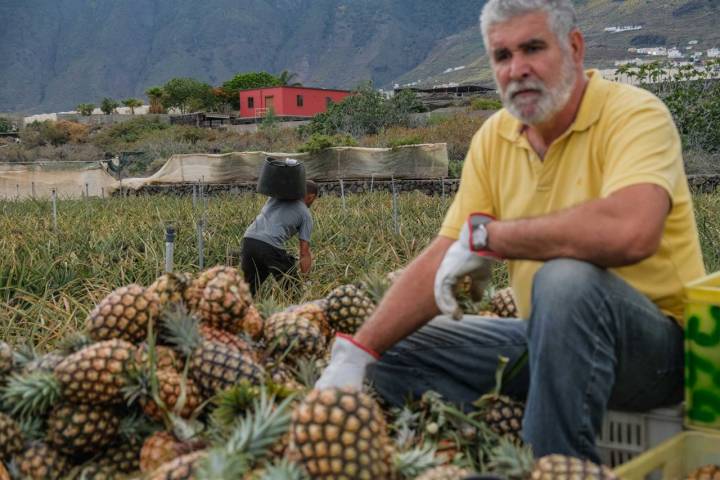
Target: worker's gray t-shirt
{"x":279,"y":220}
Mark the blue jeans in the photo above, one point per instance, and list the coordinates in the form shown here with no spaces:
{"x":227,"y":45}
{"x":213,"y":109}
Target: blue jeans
{"x":594,"y":343}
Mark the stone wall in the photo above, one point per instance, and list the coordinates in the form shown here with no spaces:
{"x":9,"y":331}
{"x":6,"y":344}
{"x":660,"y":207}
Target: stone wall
{"x":446,"y":186}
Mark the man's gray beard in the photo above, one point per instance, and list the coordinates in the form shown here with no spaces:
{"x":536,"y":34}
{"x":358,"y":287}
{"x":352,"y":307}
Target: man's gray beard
{"x":551,"y":101}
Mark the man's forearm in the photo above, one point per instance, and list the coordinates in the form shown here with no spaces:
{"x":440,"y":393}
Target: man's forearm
{"x":611,"y":232}
{"x":408,"y":304}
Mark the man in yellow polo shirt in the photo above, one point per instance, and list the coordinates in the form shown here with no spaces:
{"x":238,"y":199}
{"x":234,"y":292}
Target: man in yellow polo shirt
{"x":579,"y":184}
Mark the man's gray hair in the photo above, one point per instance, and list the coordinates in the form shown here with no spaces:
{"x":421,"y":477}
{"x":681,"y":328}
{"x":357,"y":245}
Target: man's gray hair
{"x":561,"y":15}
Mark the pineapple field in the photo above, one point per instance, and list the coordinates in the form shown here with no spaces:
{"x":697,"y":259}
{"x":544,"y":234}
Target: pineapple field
{"x":111,"y":368}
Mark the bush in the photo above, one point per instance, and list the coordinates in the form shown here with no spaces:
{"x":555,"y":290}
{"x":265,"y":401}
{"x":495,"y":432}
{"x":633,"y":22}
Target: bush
{"x":415,"y":139}
{"x":5,"y":125}
{"x":485,"y":104}
{"x":53,"y":133}
{"x":318,"y":142}
{"x":128,"y":132}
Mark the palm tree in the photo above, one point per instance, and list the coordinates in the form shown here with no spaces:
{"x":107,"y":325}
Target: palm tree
{"x":155,"y":94}
{"x":286,"y":78}
{"x":132,"y":103}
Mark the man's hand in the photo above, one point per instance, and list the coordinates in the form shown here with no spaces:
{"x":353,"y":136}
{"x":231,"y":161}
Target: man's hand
{"x":467,"y":256}
{"x":348,"y":362}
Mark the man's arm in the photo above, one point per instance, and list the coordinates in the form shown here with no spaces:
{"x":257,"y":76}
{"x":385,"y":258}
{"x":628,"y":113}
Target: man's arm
{"x":622,"y":229}
{"x":408,"y":304}
{"x":305,"y":257}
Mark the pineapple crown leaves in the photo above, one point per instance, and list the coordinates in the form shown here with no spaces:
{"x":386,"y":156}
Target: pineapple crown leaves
{"x":512,"y":460}
{"x":74,"y":342}
{"x":181,"y":329}
{"x":137,"y":426}
{"x":232,"y":403}
{"x":483,"y":402}
{"x":24,"y":354}
{"x":375,"y":286}
{"x":261,"y":427}
{"x":218,"y":463}
{"x":412,"y":463}
{"x":32,"y":428}
{"x":284,"y":469}
{"x":30,"y":395}
{"x":306,"y":371}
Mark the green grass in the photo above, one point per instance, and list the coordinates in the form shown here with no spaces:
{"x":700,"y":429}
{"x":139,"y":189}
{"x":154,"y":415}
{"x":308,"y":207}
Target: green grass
{"x":49,"y":280}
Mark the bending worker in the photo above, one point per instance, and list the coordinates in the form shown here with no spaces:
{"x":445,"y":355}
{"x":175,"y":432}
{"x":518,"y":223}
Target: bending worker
{"x":263,"y":245}
{"x":583,"y":191}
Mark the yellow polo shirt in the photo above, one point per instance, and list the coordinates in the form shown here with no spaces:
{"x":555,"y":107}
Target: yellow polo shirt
{"x":622,"y":136}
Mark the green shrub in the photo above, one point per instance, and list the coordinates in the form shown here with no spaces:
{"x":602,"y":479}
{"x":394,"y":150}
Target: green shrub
{"x":485,"y":104}
{"x":318,"y":142}
{"x":130,"y":131}
{"x":414,"y":139}
{"x":5,"y":125}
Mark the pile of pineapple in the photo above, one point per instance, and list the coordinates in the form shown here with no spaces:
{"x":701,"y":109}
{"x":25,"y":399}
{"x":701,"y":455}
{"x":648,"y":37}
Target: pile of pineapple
{"x":186,"y":379}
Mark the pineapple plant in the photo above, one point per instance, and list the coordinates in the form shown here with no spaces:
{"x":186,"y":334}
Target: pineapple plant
{"x":706,"y":472}
{"x":124,"y":314}
{"x":503,"y":303}
{"x":11,"y":440}
{"x":315,"y":312}
{"x":96,"y":374}
{"x":341,"y":433}
{"x":213,"y":366}
{"x":172,"y":288}
{"x":79,"y":429}
{"x":123,"y":457}
{"x":287,"y":332}
{"x":41,"y":462}
{"x":501,"y":413}
{"x":43,"y":363}
{"x":165,"y":357}
{"x":347,"y":308}
{"x":224,"y":302}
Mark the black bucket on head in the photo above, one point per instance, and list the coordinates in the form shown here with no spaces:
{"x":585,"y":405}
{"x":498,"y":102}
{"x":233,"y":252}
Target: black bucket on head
{"x":283,"y":179}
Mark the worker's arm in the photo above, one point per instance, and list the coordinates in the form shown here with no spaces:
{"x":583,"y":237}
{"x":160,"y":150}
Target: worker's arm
{"x":305,"y":257}
{"x":621,"y":229}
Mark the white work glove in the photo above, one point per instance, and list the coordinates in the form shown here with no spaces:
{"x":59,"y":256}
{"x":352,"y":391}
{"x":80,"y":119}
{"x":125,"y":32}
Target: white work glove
{"x":467,"y":256}
{"x":348,"y":362}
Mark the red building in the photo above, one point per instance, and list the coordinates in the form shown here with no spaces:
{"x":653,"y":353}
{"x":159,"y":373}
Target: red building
{"x":288,"y":101}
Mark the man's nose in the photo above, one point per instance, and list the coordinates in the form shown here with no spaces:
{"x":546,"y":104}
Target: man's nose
{"x":519,"y":67}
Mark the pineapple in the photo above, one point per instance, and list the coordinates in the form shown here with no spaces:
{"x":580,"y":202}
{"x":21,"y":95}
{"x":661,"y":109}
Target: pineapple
{"x":282,"y":376}
{"x":501,"y":413}
{"x":96,"y":374}
{"x":226,"y":338}
{"x":94,"y":471}
{"x":161,"y":447}
{"x":503,"y":303}
{"x":194,"y":293}
{"x":706,"y":472}
{"x":444,"y":472}
{"x":11,"y":441}
{"x":7,"y":359}
{"x":170,"y":388}
{"x":252,"y":323}
{"x":341,"y":433}
{"x":43,"y":363}
{"x":288,"y":332}
{"x":224,"y":303}
{"x":347,"y":308}
{"x":41,"y":462}
{"x":172,"y":288}
{"x":315,"y":312}
{"x":124,"y":314}
{"x":181,"y":468}
{"x":77,"y":429}
{"x":213,"y":366}
{"x":165,"y":357}
{"x":123,"y":457}
{"x":551,"y":467}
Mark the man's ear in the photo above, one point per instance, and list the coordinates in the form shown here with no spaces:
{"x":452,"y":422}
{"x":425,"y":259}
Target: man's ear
{"x":577,"y":46}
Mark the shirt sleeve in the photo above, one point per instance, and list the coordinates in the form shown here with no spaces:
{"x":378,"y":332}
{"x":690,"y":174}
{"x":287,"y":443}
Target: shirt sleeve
{"x":643,"y":146}
{"x":306,"y":226}
{"x":473,"y":194}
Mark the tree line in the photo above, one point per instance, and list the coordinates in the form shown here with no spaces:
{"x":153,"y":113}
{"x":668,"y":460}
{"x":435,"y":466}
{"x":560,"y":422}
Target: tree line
{"x":189,"y":95}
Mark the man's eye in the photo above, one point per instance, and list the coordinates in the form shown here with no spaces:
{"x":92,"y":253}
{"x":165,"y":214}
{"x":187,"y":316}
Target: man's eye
{"x":501,"y":56}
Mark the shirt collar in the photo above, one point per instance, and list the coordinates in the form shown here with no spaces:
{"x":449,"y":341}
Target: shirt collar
{"x":588,"y":113}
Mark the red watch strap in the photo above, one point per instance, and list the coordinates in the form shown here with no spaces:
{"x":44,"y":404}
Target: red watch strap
{"x":362,"y":347}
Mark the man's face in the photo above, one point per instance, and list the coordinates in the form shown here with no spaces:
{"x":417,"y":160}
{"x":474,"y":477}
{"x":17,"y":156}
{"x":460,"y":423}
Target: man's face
{"x":533,"y":71}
